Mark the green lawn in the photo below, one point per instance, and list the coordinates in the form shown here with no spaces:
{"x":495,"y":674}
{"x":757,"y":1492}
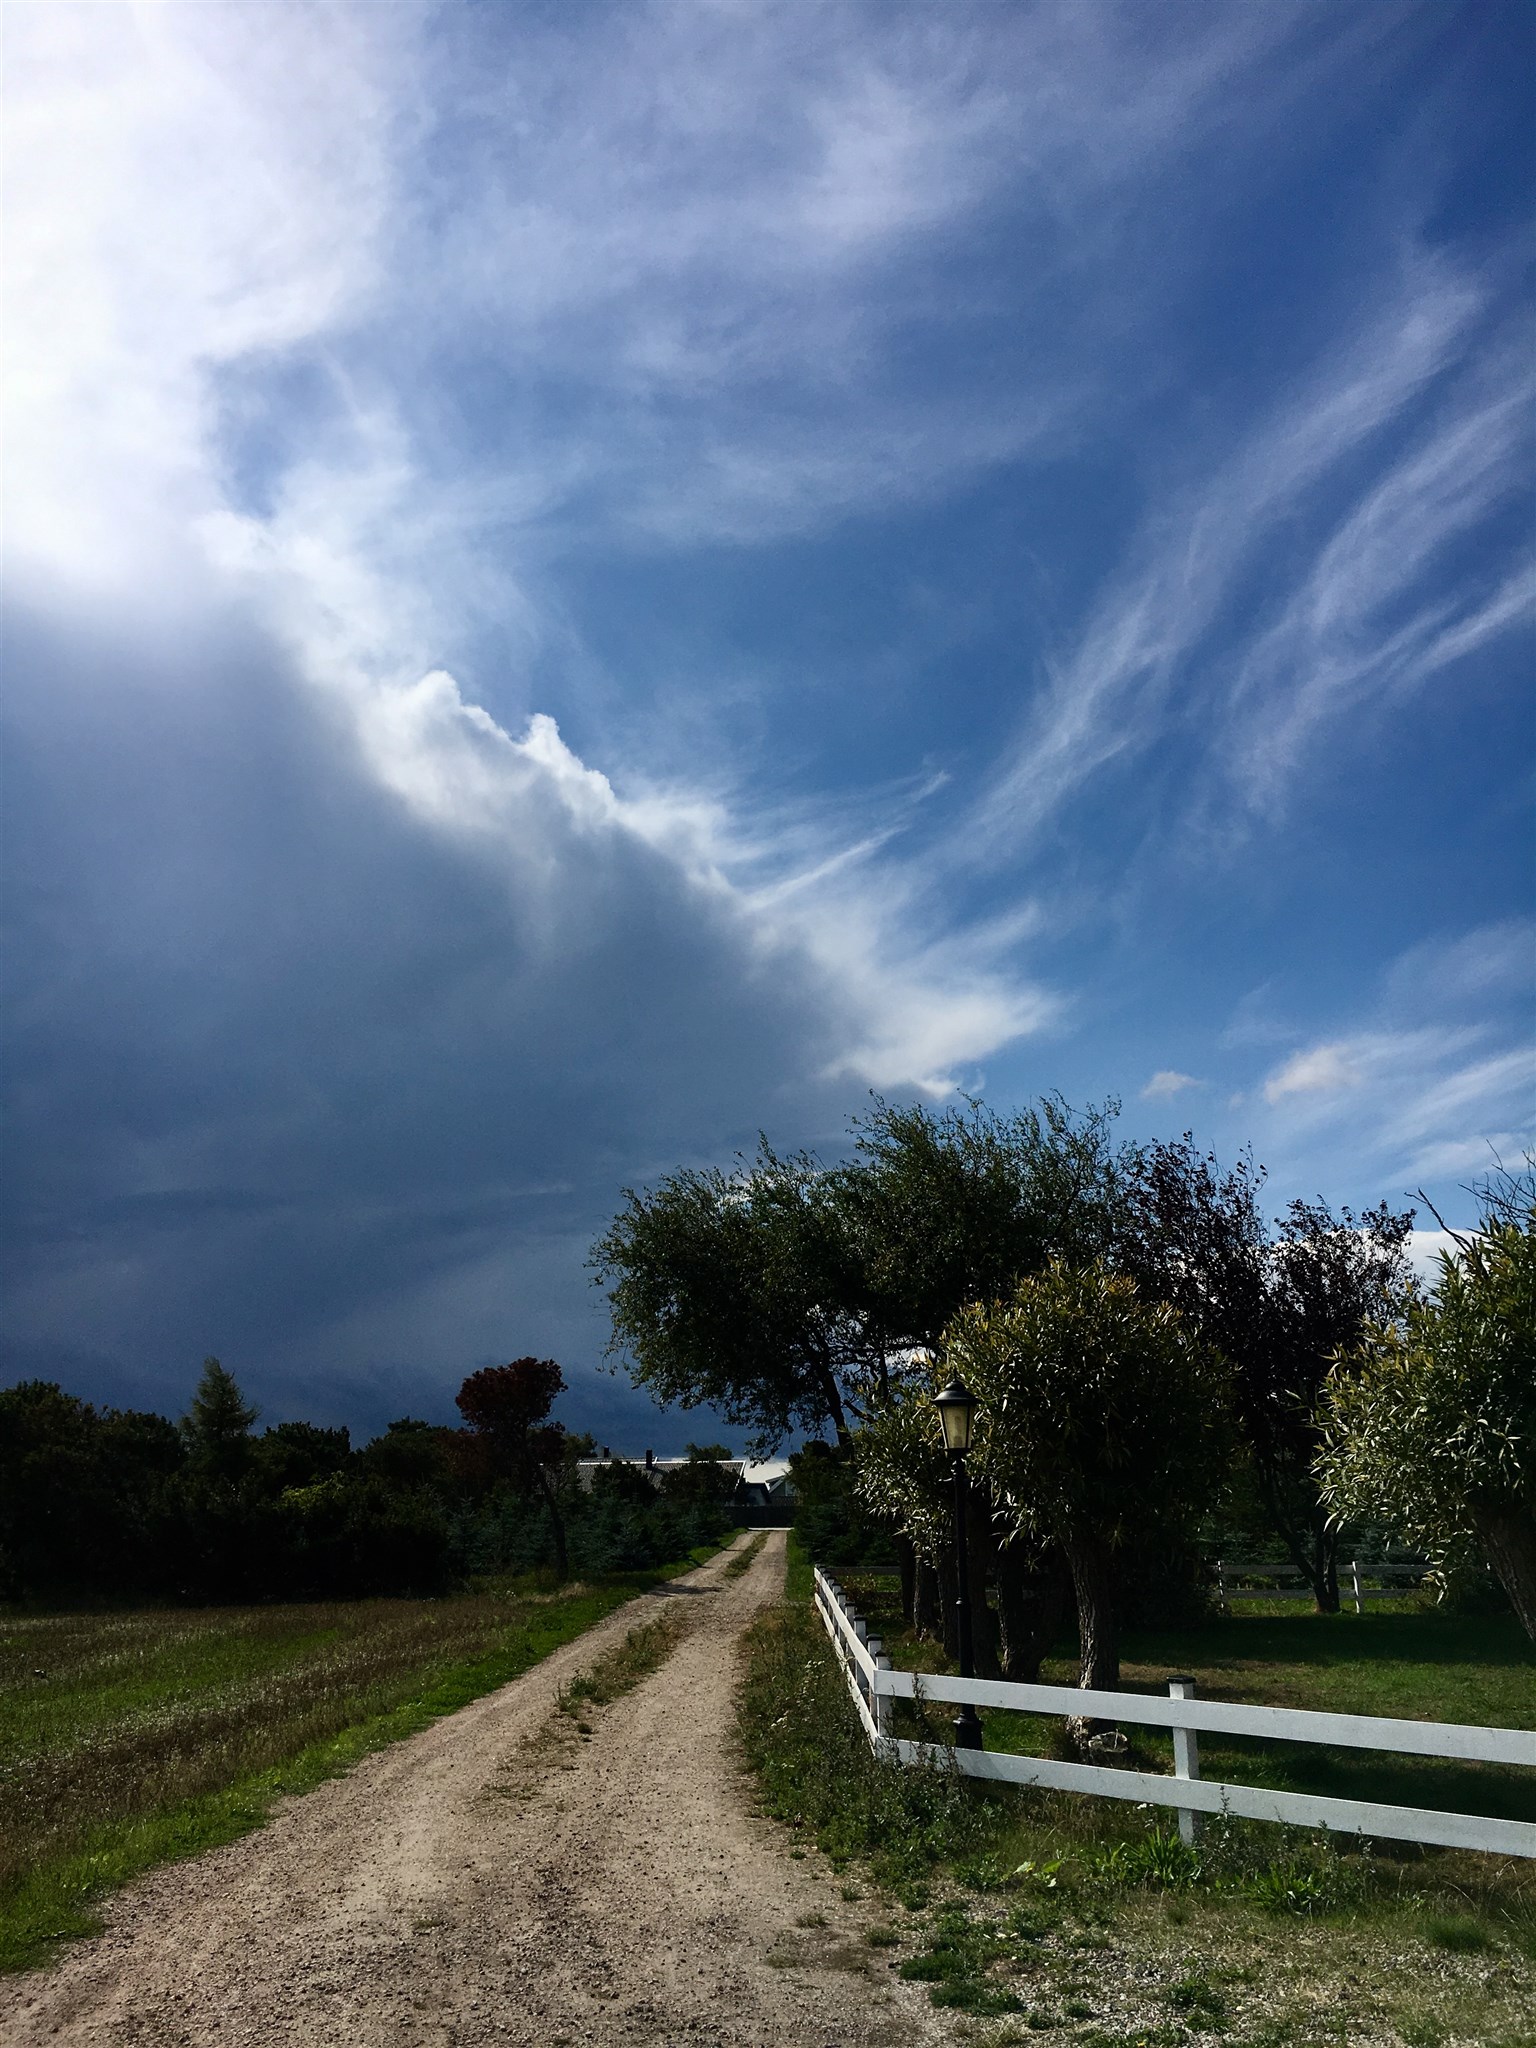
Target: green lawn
{"x":1420,"y":1665}
{"x":130,"y":1738}
{"x":1028,"y":1912}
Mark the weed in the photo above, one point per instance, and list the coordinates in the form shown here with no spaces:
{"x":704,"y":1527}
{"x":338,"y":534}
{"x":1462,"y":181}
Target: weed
{"x":811,"y":1920}
{"x":883,"y":1937}
{"x":643,"y":1650}
{"x":969,"y":1994}
{"x":1156,"y":1858}
{"x":1461,"y":1937}
{"x":1136,"y":2037}
{"x":1199,"y":1997}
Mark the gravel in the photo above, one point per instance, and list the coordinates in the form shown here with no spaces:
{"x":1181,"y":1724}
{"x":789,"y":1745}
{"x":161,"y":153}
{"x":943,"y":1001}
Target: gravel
{"x":496,"y":1880}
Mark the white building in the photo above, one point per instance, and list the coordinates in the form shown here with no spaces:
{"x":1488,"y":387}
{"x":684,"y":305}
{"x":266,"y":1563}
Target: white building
{"x":759,"y":1483}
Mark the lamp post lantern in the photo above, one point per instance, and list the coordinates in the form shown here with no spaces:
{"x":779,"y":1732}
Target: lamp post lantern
{"x":957,"y":1411}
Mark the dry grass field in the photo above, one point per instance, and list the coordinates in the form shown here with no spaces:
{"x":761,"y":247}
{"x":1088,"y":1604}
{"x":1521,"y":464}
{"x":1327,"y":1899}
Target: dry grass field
{"x":130,"y":1737}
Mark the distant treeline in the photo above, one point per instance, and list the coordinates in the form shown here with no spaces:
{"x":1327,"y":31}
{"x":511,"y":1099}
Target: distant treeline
{"x":118,"y":1504}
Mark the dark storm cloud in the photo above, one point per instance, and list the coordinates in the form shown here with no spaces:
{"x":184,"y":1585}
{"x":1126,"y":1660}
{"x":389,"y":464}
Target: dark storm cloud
{"x":284,"y":1058}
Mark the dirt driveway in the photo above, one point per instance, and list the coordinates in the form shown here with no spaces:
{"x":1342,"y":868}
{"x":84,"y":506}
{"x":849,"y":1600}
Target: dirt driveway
{"x":479,"y":1883}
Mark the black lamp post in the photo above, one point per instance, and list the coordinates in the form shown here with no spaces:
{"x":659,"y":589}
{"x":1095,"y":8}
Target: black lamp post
{"x":957,"y":1410}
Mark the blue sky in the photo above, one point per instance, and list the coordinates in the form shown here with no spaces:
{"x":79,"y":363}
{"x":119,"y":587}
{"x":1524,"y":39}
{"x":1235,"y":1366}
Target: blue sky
{"x":585,"y":581}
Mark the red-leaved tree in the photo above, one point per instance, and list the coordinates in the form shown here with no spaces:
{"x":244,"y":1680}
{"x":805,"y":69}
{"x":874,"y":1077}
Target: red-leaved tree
{"x":507,"y":1406}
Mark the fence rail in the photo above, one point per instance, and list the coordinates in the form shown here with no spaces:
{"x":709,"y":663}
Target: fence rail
{"x":874,"y":1685}
{"x":1352,"y":1578}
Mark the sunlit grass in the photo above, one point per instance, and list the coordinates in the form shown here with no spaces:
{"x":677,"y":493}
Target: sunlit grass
{"x":1419,"y":1665}
{"x":1030,"y":1912}
{"x":130,"y":1738}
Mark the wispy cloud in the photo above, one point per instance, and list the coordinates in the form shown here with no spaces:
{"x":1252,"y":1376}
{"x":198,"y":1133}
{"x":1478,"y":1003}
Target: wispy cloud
{"x":1166,"y":1083}
{"x":1434,"y":1100}
{"x":1193,"y":633}
{"x":1324,"y":1070}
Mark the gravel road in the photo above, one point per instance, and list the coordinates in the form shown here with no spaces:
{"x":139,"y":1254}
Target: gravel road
{"x":489,"y":1881}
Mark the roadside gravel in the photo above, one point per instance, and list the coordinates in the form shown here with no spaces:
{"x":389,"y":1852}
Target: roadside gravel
{"x":502,"y":1878}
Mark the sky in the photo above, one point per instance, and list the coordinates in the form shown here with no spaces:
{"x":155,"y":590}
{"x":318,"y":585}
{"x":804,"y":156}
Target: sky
{"x":585,"y":581}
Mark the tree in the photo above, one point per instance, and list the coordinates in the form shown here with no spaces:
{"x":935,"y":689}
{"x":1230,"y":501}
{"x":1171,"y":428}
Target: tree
{"x":949,"y":1207}
{"x":82,"y":1493}
{"x":1329,"y":1279}
{"x":905,"y":1476}
{"x":738,"y":1290}
{"x":299,"y":1454}
{"x":1191,"y":1233}
{"x":507,"y":1406}
{"x":787,"y":1294}
{"x":1104,"y":1423}
{"x":1429,"y":1423}
{"x":217,"y":1427}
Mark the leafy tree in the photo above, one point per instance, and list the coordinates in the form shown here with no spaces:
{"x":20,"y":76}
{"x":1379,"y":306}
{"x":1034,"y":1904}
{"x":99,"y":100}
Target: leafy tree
{"x":507,"y":1405}
{"x":905,"y":1475}
{"x":740,"y":1290}
{"x":82,"y":1493}
{"x":1329,"y":1279}
{"x":949,"y":1207}
{"x":707,"y":1476}
{"x":1105,"y":1422}
{"x":410,"y":1453}
{"x":299,"y":1454}
{"x":788,"y":1295}
{"x":1429,"y":1423}
{"x":1191,"y":1233}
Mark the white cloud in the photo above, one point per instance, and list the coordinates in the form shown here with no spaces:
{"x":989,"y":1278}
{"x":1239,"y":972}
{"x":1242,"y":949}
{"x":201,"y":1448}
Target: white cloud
{"x":1166,"y":1082}
{"x":1393,"y":1107}
{"x":195,"y":192}
{"x":1193,"y":629}
{"x":1491,"y":962}
{"x":1323,"y":1070}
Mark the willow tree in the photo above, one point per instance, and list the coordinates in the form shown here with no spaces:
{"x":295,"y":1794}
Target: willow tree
{"x":905,"y":1475}
{"x":1105,"y":1423}
{"x":1429,"y":1424}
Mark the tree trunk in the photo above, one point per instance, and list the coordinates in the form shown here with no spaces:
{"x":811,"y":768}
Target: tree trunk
{"x":906,"y":1562}
{"x":556,"y":1526}
{"x":1098,"y":1626}
{"x":1313,"y":1551}
{"x":927,"y":1600}
{"x":981,"y":1548}
{"x":1031,"y":1604}
{"x":1509,"y":1537}
{"x":948,"y":1622}
{"x":1326,"y":1583}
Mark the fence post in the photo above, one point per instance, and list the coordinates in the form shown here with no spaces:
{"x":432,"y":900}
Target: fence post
{"x":1186,"y":1757}
{"x":1354,"y":1573}
{"x":879,"y":1702}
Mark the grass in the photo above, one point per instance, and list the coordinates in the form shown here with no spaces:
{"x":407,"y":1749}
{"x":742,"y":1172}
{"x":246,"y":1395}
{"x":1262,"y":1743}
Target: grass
{"x":745,"y":1558}
{"x":1418,"y":1665}
{"x":643,"y":1650}
{"x":1030,"y":1913}
{"x":131,"y":1739}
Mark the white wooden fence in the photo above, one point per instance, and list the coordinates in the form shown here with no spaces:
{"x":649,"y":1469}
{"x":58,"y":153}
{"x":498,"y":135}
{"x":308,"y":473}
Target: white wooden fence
{"x":874,"y":1685}
{"x":1351,"y":1582}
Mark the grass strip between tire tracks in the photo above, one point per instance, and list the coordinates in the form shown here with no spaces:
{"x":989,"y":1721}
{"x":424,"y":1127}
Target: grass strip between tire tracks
{"x":745,"y":1558}
{"x":55,"y":1901}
